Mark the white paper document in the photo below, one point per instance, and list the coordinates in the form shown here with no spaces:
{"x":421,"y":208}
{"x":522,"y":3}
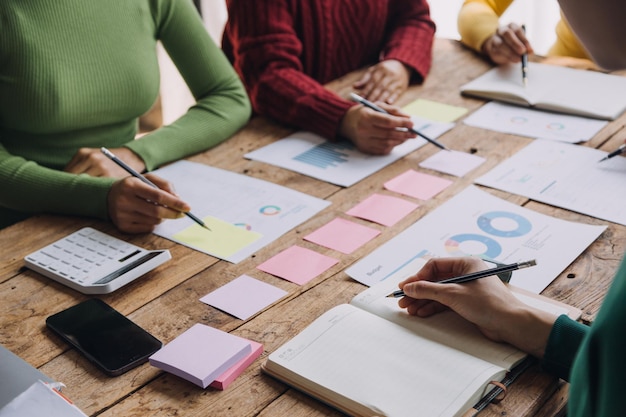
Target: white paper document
{"x":566,"y":176}
{"x":252,"y":204}
{"x":516,"y":120}
{"x":338,"y":163}
{"x":477,"y":223}
{"x":452,"y":162}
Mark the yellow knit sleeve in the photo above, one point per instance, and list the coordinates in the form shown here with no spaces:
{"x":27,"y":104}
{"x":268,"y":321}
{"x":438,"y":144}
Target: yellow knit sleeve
{"x":478,"y":20}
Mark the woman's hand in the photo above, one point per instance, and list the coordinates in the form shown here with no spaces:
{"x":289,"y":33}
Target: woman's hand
{"x":136,"y":207}
{"x":93,"y":162}
{"x":486,"y":302}
{"x":507,"y":45}
{"x":376,"y":133}
{"x":385,"y":81}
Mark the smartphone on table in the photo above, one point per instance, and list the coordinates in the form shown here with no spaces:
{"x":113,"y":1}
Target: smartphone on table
{"x":105,"y":336}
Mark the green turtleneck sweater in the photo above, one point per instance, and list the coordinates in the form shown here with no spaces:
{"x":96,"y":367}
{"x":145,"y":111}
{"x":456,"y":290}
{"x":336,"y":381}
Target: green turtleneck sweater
{"x":79,"y":73}
{"x":593,"y":358}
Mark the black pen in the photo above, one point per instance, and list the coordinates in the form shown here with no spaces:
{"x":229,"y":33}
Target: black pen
{"x":367,"y":103}
{"x":476,"y":275}
{"x":616,"y":152}
{"x":524,"y":63}
{"x":135,"y":174}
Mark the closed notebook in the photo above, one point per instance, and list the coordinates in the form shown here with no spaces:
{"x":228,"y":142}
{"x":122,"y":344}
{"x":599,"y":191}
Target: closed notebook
{"x":371,"y":358}
{"x":553,"y":88}
{"x":201,"y":354}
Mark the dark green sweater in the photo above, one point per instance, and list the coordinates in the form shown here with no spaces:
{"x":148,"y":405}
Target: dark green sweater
{"x":78,"y":73}
{"x":593,"y":359}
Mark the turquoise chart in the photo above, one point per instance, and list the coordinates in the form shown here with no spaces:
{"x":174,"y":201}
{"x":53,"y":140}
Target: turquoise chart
{"x":503,"y":224}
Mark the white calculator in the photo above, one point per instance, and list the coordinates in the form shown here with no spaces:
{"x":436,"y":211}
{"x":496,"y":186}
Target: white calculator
{"x":93,"y":262}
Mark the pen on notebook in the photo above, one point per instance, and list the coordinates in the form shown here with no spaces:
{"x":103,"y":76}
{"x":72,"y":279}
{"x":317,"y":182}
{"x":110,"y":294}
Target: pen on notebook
{"x":476,"y":275}
{"x":616,"y":152}
{"x":369,"y":104}
{"x":135,"y":174}
{"x":524,"y":63}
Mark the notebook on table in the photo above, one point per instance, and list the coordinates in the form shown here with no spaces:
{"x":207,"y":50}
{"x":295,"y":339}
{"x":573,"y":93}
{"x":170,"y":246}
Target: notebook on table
{"x":553,"y":88}
{"x":370,"y":358}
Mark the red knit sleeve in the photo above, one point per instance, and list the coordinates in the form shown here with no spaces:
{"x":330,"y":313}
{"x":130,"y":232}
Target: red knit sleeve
{"x":410,"y":35}
{"x":266,"y":53}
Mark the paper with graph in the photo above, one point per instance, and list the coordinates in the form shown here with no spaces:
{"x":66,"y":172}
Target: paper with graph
{"x":477,"y":223}
{"x":338,"y":163}
{"x":244,"y":213}
{"x":567,"y":176}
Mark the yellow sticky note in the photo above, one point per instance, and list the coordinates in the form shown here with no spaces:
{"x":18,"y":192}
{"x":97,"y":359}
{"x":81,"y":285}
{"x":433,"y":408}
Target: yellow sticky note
{"x":435,"y":111}
{"x":223,"y":240}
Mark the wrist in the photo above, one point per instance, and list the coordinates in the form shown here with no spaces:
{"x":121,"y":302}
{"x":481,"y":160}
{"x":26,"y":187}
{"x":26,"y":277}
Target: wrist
{"x":528,"y":329}
{"x":131,"y":159}
{"x":347,"y":126}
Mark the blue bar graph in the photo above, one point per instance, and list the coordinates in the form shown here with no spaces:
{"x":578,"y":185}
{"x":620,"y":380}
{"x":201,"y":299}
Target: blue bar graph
{"x":328,"y":154}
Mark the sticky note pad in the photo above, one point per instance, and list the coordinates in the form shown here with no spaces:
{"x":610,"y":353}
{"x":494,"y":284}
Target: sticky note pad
{"x":201,"y":354}
{"x":224,"y":380}
{"x":244,"y":296}
{"x":383,"y":209}
{"x":223,"y":240}
{"x":297,"y":264}
{"x":452,"y":162}
{"x":418,"y":185}
{"x":342,"y":235}
{"x":433,"y":110}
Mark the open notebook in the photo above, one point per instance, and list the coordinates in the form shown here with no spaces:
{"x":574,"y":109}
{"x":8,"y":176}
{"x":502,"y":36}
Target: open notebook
{"x":554,"y":88}
{"x":370,"y":357}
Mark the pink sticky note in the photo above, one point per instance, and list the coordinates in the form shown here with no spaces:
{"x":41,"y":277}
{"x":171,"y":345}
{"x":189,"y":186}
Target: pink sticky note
{"x":297,"y":264}
{"x":224,"y":380}
{"x":342,"y":235}
{"x":201,"y":354}
{"x":243,"y":296}
{"x":418,"y":185}
{"x":383,"y":209}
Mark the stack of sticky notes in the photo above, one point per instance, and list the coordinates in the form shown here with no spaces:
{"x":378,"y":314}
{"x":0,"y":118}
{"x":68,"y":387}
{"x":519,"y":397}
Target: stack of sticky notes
{"x":207,"y":356}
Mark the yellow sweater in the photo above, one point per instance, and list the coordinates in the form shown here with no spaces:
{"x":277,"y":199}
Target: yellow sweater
{"x":478,"y":20}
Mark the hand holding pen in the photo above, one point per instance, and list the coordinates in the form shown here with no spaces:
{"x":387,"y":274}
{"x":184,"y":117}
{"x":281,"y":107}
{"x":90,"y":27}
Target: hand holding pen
{"x":377,"y":108}
{"x":472,"y":276}
{"x":137,"y":207}
{"x":488,"y":303}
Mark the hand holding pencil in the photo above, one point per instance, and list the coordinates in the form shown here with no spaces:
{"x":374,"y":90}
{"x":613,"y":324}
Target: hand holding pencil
{"x":486,"y":302}
{"x":138,"y":203}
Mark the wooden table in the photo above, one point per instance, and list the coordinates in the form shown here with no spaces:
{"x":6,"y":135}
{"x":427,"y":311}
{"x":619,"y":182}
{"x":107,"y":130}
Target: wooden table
{"x":165,"y":301}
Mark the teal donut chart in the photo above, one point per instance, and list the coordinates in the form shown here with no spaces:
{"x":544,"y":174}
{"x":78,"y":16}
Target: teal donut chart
{"x":493,"y":248}
{"x":485,"y":223}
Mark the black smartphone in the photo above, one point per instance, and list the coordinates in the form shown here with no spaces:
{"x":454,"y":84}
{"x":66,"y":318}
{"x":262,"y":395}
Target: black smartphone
{"x":105,"y":336}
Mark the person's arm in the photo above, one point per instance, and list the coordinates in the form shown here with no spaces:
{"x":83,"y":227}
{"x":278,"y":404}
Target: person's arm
{"x":479,"y":19}
{"x":266,"y":53}
{"x":31,"y":188}
{"x":486,"y":302}
{"x":407,"y":53}
{"x":222,"y":106}
{"x":478,"y":25}
{"x":133,"y":206}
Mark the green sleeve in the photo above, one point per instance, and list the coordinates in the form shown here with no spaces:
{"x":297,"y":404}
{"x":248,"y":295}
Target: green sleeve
{"x":222,"y":105}
{"x":30,"y":187}
{"x":563,"y":345}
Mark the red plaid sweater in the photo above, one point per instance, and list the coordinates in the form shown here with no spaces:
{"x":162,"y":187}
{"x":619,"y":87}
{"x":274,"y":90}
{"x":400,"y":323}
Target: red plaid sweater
{"x":284,"y":50}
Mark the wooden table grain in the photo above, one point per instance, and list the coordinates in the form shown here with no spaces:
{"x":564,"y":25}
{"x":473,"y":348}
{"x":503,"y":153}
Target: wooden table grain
{"x":166,"y":300}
